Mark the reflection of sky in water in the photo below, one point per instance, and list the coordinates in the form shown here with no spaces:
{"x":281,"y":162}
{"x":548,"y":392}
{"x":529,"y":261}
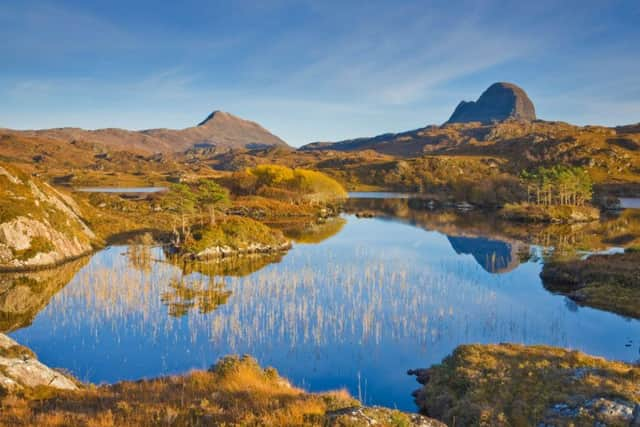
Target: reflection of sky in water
{"x":377,"y":299}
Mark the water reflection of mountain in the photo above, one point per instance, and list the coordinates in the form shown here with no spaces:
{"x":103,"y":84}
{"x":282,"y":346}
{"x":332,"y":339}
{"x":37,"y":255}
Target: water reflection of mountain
{"x":494,"y":256}
{"x":24,"y":295}
{"x":477,"y":234}
{"x":489,"y":234}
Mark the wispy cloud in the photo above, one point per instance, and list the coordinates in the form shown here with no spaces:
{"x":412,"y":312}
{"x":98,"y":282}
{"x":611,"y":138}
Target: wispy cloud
{"x":308,"y":69}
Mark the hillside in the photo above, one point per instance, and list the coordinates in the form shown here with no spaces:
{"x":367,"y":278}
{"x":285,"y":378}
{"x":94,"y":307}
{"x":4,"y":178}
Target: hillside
{"x":39,"y":225}
{"x":219,"y":130}
{"x":501,"y":124}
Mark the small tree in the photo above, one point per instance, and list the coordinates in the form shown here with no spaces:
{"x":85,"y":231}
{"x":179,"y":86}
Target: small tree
{"x":182,"y":201}
{"x":209,"y":195}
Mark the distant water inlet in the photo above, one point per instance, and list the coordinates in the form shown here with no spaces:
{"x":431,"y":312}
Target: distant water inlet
{"x":356,"y":310}
{"x":630,"y":202}
{"x":122,"y":190}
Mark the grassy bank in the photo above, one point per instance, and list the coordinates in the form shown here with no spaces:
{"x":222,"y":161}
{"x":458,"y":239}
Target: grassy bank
{"x":515,"y":385}
{"x":606,"y":282}
{"x":236,"y":391}
{"x":567,"y":214}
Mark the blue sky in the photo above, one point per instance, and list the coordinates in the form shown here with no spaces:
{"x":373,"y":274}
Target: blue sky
{"x":311,"y":70}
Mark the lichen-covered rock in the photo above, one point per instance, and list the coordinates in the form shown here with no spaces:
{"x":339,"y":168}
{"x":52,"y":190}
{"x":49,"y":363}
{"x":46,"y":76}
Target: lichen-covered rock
{"x":512,"y":384}
{"x":20,"y":369}
{"x":501,"y":101}
{"x":251,"y":248}
{"x":39,"y":226}
{"x":365,"y":416}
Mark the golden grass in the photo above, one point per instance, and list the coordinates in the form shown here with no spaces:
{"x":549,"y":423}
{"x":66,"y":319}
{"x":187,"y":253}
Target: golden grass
{"x":515,"y":385}
{"x":236,"y":391}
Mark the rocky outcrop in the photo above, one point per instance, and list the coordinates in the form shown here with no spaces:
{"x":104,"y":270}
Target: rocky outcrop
{"x":512,"y":384}
{"x":233,"y":236}
{"x":606,"y":282}
{"x":501,"y":101}
{"x":19,"y":369}
{"x":39,"y":226}
{"x":365,"y":416}
{"x":214,"y":252}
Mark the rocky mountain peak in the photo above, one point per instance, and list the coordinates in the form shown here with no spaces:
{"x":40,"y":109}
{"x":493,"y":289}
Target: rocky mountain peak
{"x":501,"y":101}
{"x":214,"y":116}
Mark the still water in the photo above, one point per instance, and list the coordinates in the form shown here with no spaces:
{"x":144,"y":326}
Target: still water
{"x":355,"y":310}
{"x":121,"y":190}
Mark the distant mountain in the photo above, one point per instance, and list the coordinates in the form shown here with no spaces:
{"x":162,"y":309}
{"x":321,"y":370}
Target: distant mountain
{"x":501,"y":101}
{"x":219,"y":129}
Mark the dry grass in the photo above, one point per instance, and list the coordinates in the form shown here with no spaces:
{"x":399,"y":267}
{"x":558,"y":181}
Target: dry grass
{"x":515,"y":385}
{"x":236,"y":391}
{"x":607,"y":282}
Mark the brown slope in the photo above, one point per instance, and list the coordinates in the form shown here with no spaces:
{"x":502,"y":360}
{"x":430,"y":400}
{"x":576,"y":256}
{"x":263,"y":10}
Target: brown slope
{"x":223,"y":130}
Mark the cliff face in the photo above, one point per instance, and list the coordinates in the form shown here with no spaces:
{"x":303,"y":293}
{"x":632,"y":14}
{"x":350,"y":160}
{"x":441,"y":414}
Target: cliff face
{"x":39,"y":226}
{"x":501,"y":101}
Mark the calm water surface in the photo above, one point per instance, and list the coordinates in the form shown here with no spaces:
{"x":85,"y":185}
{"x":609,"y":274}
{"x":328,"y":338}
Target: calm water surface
{"x":121,"y":190}
{"x":630,"y":202}
{"x":356,"y":310}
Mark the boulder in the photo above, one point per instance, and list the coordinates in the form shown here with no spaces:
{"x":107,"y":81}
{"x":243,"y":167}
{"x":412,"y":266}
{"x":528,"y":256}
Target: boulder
{"x":19,"y":369}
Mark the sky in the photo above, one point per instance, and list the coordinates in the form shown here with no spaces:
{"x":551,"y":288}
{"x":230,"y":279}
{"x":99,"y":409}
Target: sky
{"x":317,"y":70}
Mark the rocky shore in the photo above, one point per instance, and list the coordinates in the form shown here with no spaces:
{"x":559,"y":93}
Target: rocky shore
{"x":525,"y":212}
{"x":607,"y":282}
{"x":233,"y":236}
{"x":235,"y":391}
{"x":21,"y":371}
{"x":40,"y":227}
{"x":511,"y":384}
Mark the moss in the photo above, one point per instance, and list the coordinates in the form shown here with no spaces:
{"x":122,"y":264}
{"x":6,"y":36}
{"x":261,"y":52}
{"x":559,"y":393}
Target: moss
{"x":234,"y":232}
{"x":38,"y":245}
{"x":513,"y":385}
{"x":17,"y":352}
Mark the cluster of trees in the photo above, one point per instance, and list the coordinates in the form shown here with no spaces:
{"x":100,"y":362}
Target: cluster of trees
{"x":284,"y":183}
{"x":558,"y":185}
{"x":200,"y":197}
{"x":479,"y":182}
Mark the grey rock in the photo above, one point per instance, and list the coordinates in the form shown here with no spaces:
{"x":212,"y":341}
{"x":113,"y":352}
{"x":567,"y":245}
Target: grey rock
{"x":377,"y":416}
{"x":501,"y":101}
{"x":24,"y":371}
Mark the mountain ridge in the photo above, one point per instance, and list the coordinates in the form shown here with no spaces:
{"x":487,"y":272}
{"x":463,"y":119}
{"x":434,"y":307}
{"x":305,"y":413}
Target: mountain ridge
{"x":220,"y":129}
